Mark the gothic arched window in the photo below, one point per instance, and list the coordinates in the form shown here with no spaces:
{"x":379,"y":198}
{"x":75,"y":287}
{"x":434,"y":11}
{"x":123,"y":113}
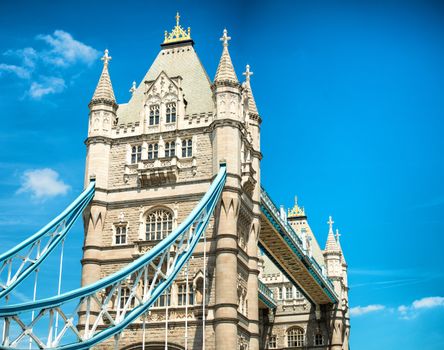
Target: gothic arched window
{"x":159,"y":224}
{"x":187,"y":148}
{"x":295,"y":337}
{"x":170,"y":149}
{"x":319,"y":339}
{"x":171,"y":112}
{"x":136,"y":154}
{"x":153,"y":151}
{"x":154,"y":115}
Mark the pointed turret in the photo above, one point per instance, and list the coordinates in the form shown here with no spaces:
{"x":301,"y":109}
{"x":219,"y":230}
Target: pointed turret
{"x":331,"y":244}
{"x":103,"y":105}
{"x":104,"y":92}
{"x":225,"y":71}
{"x":252,"y":108}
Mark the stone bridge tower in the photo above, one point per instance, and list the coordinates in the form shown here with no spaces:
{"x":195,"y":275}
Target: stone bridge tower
{"x":153,"y":158}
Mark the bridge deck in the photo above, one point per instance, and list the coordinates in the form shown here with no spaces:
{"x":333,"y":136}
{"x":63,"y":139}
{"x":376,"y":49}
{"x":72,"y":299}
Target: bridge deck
{"x":284,"y":247}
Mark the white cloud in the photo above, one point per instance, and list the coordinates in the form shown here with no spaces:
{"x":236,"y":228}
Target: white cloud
{"x":28,"y":56}
{"x":65,"y":50}
{"x":42,"y":183}
{"x":47,"y":85}
{"x":21,"y":72}
{"x":56,"y":53}
{"x":427,"y":303}
{"x":409,"y":312}
{"x":362,"y":310}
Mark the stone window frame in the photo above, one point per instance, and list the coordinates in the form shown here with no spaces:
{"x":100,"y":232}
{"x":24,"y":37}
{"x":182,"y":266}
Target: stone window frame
{"x":170,"y":149}
{"x":136,"y":153}
{"x":280,"y":293}
{"x":289,"y":292}
{"x":182,"y":293}
{"x":318,"y":339}
{"x":153,"y":151}
{"x":154,"y":114}
{"x":163,"y":299}
{"x":272,"y":341}
{"x":170,"y":112}
{"x":187,"y":149}
{"x":125,"y":293}
{"x":295,"y":337}
{"x":120,"y":225}
{"x":153,"y":210}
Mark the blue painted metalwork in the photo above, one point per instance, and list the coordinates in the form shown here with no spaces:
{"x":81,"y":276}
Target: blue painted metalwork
{"x":163,"y":262}
{"x":18,"y":262}
{"x":269,"y":209}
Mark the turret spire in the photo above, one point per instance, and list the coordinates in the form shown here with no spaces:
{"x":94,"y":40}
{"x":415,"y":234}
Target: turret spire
{"x":331,"y":241}
{"x":252,"y":108}
{"x":337,"y":237}
{"x":104,"y":92}
{"x":225,"y":71}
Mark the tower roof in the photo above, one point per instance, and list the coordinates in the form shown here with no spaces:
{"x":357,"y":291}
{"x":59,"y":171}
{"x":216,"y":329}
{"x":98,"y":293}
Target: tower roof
{"x":252,"y":108}
{"x":176,"y":59}
{"x":104,"y":91}
{"x":178,"y":34}
{"x":296,"y":211}
{"x":331,"y":244}
{"x":225,"y":70}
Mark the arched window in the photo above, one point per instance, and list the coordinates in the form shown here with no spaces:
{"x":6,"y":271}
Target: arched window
{"x":187,"y":148}
{"x":159,"y":224}
{"x":171,"y":112}
{"x":153,"y":151}
{"x":319,"y":339}
{"x":170,"y":149}
{"x":136,"y":154}
{"x":154,"y":115}
{"x":295,"y":337}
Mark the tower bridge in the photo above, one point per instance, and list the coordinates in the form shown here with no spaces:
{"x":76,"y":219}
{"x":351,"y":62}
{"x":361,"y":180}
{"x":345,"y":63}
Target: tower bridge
{"x":183,"y":247}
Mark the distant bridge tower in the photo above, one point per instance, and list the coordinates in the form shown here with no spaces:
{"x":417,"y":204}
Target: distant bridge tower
{"x":337,"y":272}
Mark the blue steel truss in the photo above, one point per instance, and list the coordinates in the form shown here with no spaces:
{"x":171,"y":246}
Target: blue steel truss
{"x":101,"y":310}
{"x":17,"y":263}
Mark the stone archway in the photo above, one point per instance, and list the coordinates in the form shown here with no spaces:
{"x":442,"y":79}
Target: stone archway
{"x":153,"y":346}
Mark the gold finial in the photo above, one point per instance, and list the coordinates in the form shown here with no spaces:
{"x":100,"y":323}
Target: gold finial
{"x":106,"y":58}
{"x":296,"y":211}
{"x":178,"y":33}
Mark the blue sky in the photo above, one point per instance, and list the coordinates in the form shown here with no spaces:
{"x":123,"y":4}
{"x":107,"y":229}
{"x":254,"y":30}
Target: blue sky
{"x":351,"y":97}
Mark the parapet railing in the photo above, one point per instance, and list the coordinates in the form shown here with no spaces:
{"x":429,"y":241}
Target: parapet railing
{"x":266,"y":295}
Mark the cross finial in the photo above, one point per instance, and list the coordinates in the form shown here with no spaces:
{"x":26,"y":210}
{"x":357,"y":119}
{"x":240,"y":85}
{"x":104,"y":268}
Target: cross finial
{"x":295,"y":201}
{"x":247,"y":73}
{"x":337,"y":234}
{"x":177,"y":18}
{"x":106,"y":58}
{"x":330,"y":222}
{"x":133,"y":88}
{"x":225,"y":38}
